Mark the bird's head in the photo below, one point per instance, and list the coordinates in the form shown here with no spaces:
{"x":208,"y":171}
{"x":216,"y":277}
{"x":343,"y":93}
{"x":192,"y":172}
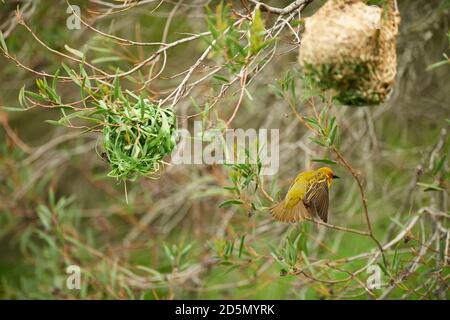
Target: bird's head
{"x":327,"y":172}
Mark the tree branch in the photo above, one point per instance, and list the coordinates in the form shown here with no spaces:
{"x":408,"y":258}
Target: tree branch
{"x":296,"y":5}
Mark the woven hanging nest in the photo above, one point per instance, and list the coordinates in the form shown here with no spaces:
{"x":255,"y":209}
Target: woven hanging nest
{"x":137,"y":137}
{"x":350,"y":47}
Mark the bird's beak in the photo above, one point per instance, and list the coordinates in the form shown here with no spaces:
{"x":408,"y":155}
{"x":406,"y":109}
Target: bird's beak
{"x":335,"y":177}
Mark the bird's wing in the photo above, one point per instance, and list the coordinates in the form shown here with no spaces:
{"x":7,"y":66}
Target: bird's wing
{"x":316,"y":199}
{"x":284,"y":213}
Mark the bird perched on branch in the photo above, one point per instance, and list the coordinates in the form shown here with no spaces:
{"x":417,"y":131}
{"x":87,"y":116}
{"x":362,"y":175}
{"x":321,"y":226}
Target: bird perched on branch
{"x":307,"y":197}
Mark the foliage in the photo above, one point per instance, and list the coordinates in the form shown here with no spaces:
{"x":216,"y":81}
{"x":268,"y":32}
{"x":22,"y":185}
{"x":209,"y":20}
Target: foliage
{"x":137,"y":137}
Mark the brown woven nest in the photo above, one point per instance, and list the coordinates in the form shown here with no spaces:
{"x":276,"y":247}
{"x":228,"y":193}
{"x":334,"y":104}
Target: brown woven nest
{"x":350,"y":47}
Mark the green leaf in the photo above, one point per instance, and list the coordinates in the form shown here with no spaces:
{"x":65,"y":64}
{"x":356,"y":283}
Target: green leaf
{"x":440,"y":164}
{"x":308,"y":93}
{"x":430,"y":187}
{"x":3,"y":43}
{"x":317,"y":141}
{"x":75,"y":52}
{"x":22,"y":96}
{"x":241,"y":245}
{"x":228,"y":203}
{"x":55,"y":79}
{"x":45,"y":216}
{"x":277,"y":90}
{"x":221,"y":78}
{"x":106,"y":59}
{"x":72,"y":74}
{"x":333,"y":135}
{"x":327,"y":161}
{"x":13,"y":109}
{"x":33,"y":95}
{"x":48,"y":239}
{"x":116,"y":88}
{"x":313,"y":123}
{"x":438,"y":64}
{"x":55,"y":123}
{"x":256,"y":33}
{"x":383,"y":268}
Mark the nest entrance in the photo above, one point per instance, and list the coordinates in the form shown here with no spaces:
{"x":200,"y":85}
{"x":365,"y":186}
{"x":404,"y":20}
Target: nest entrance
{"x":350,"y":47}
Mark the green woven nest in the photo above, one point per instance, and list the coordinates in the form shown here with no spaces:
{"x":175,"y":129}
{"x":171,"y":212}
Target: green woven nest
{"x":137,"y":137}
{"x":345,"y":80}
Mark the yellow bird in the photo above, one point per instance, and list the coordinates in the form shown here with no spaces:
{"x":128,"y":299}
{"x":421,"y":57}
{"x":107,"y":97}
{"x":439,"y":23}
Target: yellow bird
{"x":307,"y":197}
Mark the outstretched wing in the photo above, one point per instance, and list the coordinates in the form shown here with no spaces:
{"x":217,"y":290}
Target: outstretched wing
{"x":317,"y":198}
{"x":284,"y":213}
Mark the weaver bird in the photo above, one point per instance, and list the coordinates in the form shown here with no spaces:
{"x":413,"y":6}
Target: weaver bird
{"x":307,"y":197}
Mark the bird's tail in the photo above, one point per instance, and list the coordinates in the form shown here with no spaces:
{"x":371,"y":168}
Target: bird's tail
{"x":283,"y":213}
